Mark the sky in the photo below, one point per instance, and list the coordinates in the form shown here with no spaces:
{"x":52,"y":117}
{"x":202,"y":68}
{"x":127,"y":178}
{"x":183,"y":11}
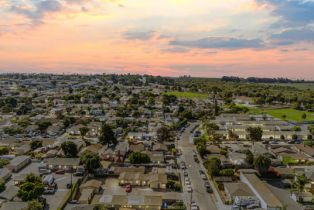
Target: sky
{"x":203,"y":38}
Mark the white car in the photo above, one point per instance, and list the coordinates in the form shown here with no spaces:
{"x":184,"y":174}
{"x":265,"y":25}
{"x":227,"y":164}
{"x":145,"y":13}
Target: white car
{"x":194,"y":206}
{"x":189,"y":188}
{"x":203,"y":176}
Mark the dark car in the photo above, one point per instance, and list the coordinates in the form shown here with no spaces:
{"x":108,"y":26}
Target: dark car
{"x":128,"y":188}
{"x":61,"y":171}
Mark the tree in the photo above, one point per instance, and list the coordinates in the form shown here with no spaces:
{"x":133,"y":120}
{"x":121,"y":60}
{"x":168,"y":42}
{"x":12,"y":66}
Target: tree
{"x":262,"y":164}
{"x":36,"y":144}
{"x":249,"y":158}
{"x":213,"y":166}
{"x":34,"y":205}
{"x":84,"y":131}
{"x":226,"y":172}
{"x":90,"y":160}
{"x":2,"y":185}
{"x":139,"y":158}
{"x":4,"y":150}
{"x":69,"y":149}
{"x":31,"y":189}
{"x":255,"y":133}
{"x":304,"y":116}
{"x":107,"y":135}
{"x":300,"y":182}
{"x":3,"y":162}
{"x":201,"y":148}
{"x":43,"y":125}
{"x":164,"y":134}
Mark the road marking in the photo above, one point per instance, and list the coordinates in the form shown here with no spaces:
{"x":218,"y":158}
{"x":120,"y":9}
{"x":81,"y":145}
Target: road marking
{"x":60,"y":179}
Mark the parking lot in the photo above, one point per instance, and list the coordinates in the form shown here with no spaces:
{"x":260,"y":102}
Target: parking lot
{"x":53,"y":200}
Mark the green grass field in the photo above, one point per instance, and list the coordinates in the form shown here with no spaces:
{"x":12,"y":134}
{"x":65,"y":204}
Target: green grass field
{"x":291,"y":114}
{"x":189,"y":95}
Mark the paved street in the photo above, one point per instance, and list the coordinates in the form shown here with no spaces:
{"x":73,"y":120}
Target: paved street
{"x":203,"y":199}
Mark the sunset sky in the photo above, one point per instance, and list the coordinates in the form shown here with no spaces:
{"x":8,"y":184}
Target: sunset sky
{"x":208,"y":38}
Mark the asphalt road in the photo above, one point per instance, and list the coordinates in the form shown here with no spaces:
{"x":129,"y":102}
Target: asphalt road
{"x":204,"y":200}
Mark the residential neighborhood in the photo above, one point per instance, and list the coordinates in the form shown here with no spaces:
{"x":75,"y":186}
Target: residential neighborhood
{"x":134,"y":142}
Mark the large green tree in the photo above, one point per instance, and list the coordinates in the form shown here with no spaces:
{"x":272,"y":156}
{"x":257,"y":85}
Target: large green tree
{"x":31,"y":189}
{"x":69,"y":149}
{"x":138,"y":158}
{"x":213,"y":166}
{"x":164,"y":134}
{"x":262,"y":164}
{"x":90,"y":160}
{"x":300,"y":182}
{"x":34,"y":205}
{"x":36,"y":144}
{"x":84,"y":131}
{"x":107,"y":135}
{"x":255,"y":133}
{"x":249,"y":157}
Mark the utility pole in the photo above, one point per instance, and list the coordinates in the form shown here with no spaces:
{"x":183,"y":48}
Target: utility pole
{"x":191,"y":199}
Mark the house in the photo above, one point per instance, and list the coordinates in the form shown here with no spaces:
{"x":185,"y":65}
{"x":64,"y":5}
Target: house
{"x":213,"y":149}
{"x":116,"y":153}
{"x":140,"y":202}
{"x":94,"y":148}
{"x":306,"y":150}
{"x":239,"y":191}
{"x":155,"y":157}
{"x":158,"y":147}
{"x":305,"y":197}
{"x":86,"y":196}
{"x":137,"y":147}
{"x":118,"y":170}
{"x":152,"y":180}
{"x":18,"y":163}
{"x":9,"y":193}
{"x":92,"y":184}
{"x":5,"y":174}
{"x":22,"y":149}
{"x":13,"y":205}
{"x":62,"y":163}
{"x":267,"y":199}
{"x":237,"y":159}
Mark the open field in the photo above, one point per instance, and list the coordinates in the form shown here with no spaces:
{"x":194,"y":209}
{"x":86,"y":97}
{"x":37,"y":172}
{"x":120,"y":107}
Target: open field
{"x":189,"y":95}
{"x":291,"y":114}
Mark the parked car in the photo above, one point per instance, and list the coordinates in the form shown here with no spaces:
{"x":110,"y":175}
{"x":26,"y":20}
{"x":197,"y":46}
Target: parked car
{"x":61,"y":171}
{"x":69,"y":185}
{"x":128,"y":188}
{"x":49,"y":190}
{"x":189,"y":188}
{"x":73,"y":202}
{"x":185,"y":173}
{"x":194,"y":206}
{"x":208,"y":187}
{"x":44,"y":171}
